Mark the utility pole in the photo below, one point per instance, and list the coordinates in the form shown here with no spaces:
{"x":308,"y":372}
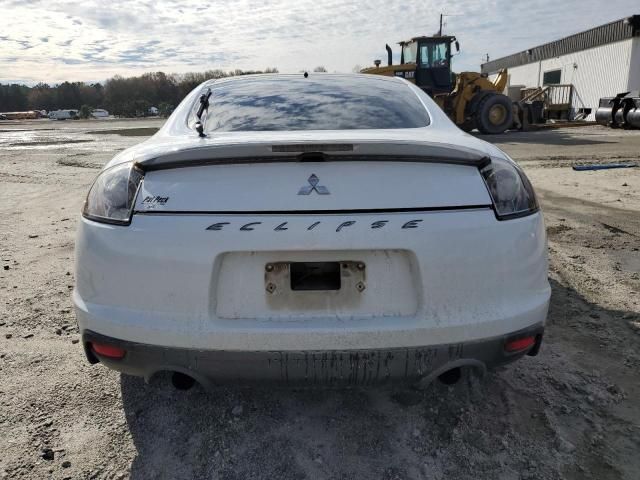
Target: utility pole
{"x":440,"y":31}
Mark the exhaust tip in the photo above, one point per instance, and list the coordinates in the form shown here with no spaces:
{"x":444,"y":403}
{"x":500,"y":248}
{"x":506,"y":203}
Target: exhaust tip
{"x":182,"y":381}
{"x":451,"y":377}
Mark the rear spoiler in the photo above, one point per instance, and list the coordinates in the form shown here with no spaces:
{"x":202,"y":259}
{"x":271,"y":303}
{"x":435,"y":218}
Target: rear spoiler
{"x":422,"y":152}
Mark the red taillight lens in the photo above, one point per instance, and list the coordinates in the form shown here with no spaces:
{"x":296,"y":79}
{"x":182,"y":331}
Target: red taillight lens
{"x":519,"y":344}
{"x":110,"y":351}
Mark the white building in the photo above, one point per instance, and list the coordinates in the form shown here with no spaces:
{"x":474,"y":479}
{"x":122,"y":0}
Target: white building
{"x":600,"y":62}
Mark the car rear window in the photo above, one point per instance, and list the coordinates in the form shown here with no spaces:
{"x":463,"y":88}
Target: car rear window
{"x":320,"y":103}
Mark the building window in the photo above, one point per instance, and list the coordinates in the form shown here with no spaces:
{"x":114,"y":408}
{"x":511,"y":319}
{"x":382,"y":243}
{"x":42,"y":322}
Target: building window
{"x":552,"y":77}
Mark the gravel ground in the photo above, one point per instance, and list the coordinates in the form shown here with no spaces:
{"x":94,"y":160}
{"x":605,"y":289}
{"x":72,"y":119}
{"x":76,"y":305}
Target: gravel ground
{"x":572,"y":412}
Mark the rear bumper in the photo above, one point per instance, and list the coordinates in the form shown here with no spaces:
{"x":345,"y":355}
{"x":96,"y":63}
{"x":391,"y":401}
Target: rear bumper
{"x":166,"y":280}
{"x":315,"y":367}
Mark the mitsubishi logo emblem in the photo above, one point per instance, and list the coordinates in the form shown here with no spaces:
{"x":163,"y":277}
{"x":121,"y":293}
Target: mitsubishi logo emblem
{"x":313,"y":186}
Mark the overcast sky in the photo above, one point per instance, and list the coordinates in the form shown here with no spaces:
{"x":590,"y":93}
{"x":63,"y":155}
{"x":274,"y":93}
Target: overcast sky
{"x":92,"y":40}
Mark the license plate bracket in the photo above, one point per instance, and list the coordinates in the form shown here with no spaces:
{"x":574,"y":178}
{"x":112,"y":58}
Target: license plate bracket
{"x":324,"y":277}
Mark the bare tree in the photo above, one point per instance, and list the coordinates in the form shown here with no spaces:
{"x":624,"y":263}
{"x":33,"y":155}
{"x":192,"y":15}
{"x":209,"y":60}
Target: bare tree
{"x":85,"y":112}
{"x":127,"y":97}
{"x":356,"y":68}
{"x":320,"y":69}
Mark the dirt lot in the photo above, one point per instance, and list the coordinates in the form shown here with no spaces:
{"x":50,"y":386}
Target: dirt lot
{"x":572,"y":412}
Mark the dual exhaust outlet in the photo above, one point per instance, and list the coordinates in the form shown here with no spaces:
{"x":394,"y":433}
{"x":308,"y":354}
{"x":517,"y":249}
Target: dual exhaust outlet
{"x":183,"y":382}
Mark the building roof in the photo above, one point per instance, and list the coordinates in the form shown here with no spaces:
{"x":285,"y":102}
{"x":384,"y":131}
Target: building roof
{"x":608,"y":33}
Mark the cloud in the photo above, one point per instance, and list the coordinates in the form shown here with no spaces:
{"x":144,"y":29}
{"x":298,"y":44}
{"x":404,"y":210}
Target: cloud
{"x":95,"y":39}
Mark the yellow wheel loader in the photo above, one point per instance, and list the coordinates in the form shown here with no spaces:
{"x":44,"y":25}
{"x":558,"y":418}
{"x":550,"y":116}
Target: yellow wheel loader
{"x":470,"y":99}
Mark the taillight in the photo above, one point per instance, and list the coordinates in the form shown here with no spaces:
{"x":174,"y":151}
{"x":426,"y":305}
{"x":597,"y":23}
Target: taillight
{"x":110,"y":351}
{"x":519,"y":344}
{"x":510,"y":189}
{"x":111,"y":197}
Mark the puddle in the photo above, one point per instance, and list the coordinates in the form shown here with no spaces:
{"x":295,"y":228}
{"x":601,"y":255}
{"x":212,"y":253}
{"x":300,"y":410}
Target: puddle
{"x":12,"y":130}
{"x":127,"y":132}
{"x":69,"y":162}
{"x":46,"y":142}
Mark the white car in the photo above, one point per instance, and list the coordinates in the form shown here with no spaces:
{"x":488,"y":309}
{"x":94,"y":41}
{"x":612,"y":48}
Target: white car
{"x":329,"y":229}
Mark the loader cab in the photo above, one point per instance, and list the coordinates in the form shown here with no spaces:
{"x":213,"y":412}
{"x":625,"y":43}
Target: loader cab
{"x":432,"y":57}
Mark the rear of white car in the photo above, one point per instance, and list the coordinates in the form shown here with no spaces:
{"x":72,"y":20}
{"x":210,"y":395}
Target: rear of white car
{"x":326,"y":255}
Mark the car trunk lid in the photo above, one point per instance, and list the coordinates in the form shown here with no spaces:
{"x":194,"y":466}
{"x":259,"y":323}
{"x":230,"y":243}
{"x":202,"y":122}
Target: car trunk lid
{"x":249,"y":174}
{"x":344,"y":186}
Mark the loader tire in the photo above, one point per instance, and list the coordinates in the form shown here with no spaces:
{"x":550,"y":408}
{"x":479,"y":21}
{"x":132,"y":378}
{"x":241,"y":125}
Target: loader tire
{"x":467,"y":126}
{"x":494,"y":114}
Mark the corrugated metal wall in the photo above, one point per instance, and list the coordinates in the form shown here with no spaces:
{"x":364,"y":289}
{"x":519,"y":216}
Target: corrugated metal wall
{"x":597,"y":72}
{"x":608,"y":33}
{"x":634,"y":73}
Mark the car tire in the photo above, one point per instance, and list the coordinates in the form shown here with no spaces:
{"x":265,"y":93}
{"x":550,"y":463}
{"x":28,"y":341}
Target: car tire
{"x":494,"y":114}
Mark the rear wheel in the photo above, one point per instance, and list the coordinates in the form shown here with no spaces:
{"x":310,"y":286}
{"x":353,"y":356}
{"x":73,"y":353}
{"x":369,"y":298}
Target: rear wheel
{"x":494,"y":114}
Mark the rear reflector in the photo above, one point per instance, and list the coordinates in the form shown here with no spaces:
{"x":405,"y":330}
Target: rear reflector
{"x":519,"y":344}
{"x":107,"y":350}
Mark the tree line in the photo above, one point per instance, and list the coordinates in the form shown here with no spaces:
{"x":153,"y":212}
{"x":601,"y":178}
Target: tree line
{"x":125,"y":97}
